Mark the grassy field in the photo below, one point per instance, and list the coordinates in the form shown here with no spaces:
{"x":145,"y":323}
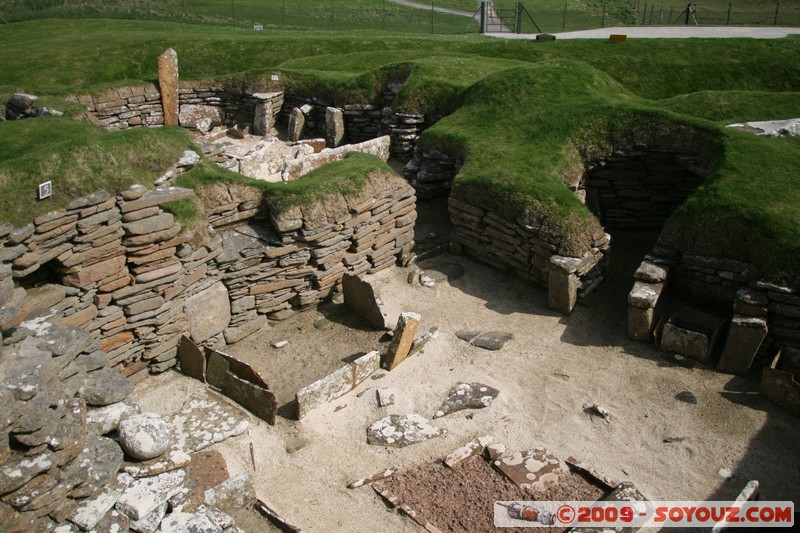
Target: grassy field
{"x":522,"y":113}
{"x":328,"y":15}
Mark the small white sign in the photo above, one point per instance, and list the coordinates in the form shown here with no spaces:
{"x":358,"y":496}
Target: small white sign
{"x":45,"y":189}
{"x":258,"y":27}
{"x":276,"y":77}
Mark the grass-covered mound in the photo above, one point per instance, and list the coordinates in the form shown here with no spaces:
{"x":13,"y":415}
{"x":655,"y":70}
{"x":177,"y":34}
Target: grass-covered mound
{"x":522,"y":114}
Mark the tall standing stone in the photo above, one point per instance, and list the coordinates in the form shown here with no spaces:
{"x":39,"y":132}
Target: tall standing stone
{"x":334,"y":127}
{"x":297,"y":120}
{"x":168,"y":84}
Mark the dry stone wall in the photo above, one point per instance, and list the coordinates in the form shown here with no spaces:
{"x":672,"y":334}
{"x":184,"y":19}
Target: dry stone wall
{"x":639,"y":189}
{"x":129,"y":107}
{"x":362,"y":122}
{"x":521,"y":250}
{"x":119,"y":269}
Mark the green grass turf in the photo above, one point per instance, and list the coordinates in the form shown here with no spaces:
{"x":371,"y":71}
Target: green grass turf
{"x":522,"y":113}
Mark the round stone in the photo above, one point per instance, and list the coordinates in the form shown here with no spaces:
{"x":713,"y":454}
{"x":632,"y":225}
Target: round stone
{"x":144,"y":436}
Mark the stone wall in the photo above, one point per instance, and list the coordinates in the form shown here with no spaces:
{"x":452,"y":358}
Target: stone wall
{"x":761,"y":316}
{"x":521,"y":250}
{"x":119,"y":269}
{"x":363,"y":122}
{"x":639,"y":189}
{"x":128,"y":107}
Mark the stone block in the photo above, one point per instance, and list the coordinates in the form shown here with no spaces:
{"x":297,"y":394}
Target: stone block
{"x":744,"y":339}
{"x":645,"y":295}
{"x":208,"y":312}
{"x":168,"y":85}
{"x":641,"y":323}
{"x":96,"y":272}
{"x":562,"y":291}
{"x":199,"y":115}
{"x":691,"y":333}
{"x":402,"y":341}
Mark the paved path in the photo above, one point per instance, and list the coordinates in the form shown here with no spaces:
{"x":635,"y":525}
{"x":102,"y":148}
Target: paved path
{"x":470,"y":14}
{"x":670,"y":32}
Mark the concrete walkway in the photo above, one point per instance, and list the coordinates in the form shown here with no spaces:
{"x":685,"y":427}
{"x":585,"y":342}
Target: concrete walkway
{"x":670,"y":32}
{"x":417,"y":5}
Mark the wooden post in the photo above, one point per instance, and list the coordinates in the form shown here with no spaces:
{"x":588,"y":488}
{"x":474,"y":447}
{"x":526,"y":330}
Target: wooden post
{"x":564,"y":23}
{"x":728,"y":20}
{"x":777,"y":7}
{"x":644,"y":15}
{"x":661,"y":16}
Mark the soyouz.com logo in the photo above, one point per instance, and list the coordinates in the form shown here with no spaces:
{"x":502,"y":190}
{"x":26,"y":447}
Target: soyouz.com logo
{"x":643,"y":514}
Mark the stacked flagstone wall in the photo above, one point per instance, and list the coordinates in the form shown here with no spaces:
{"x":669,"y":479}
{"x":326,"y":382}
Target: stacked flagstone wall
{"x":119,"y":268}
{"x":128,"y":107}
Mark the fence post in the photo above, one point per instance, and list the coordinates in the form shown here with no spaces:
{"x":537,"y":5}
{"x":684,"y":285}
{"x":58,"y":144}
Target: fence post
{"x":669,"y":19}
{"x":650,"y":21}
{"x":564,"y":23}
{"x":728,"y":18}
{"x":603,"y":23}
{"x":483,"y":16}
{"x":661,"y":16}
{"x":777,"y":7}
{"x":644,"y":15}
{"x":518,"y":28}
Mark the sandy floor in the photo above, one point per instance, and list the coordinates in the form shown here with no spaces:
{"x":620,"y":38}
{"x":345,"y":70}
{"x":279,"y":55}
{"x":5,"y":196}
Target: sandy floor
{"x":552,"y":368}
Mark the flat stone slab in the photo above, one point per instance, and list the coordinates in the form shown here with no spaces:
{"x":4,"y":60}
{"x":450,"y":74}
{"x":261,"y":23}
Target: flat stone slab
{"x":145,"y":495}
{"x":399,"y":431}
{"x":467,"y":396}
{"x":488,"y":340}
{"x":205,"y":419}
{"x":535,"y":469}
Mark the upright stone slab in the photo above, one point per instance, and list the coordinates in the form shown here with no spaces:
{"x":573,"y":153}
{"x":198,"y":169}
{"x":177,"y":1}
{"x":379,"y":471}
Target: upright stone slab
{"x":334,"y":127}
{"x":208,"y":312}
{"x":360,"y":296}
{"x":297,"y":120}
{"x":168,"y":84}
{"x":745,"y":336}
{"x":562,"y":291}
{"x":262,"y":118}
{"x":403,"y":338}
